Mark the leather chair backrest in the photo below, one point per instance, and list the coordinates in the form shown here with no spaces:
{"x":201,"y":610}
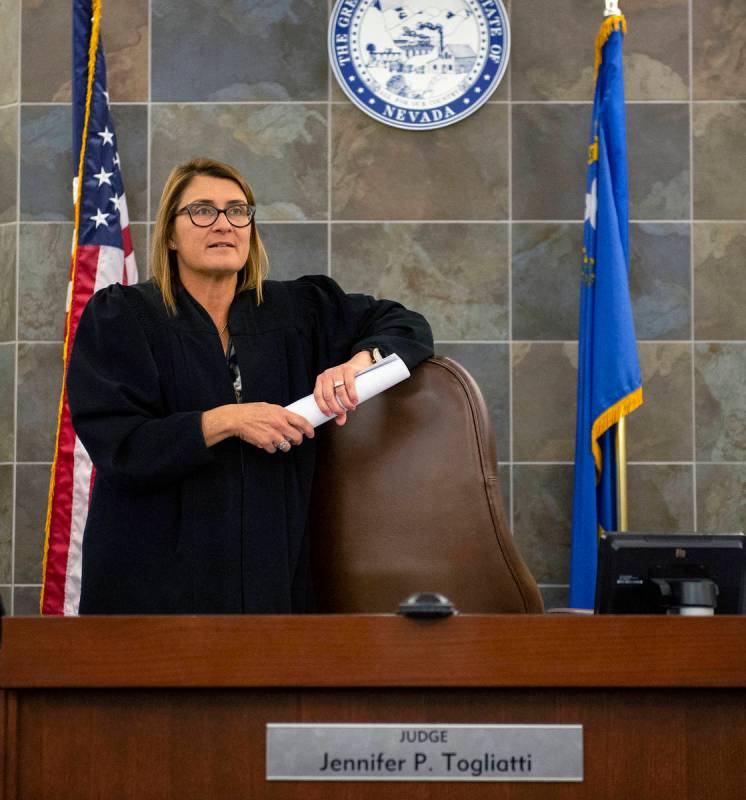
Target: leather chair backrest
{"x":406,"y":499}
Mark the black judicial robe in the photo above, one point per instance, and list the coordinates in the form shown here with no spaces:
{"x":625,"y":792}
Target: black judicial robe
{"x":175,"y":526}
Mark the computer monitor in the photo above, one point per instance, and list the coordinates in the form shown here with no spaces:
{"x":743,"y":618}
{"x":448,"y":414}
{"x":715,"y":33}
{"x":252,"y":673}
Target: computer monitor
{"x":661,"y":573}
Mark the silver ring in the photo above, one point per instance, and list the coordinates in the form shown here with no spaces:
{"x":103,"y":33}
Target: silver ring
{"x":284,"y":445}
{"x":337,"y":384}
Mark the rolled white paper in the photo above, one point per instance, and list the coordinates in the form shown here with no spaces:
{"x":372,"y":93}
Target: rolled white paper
{"x":370,"y":382}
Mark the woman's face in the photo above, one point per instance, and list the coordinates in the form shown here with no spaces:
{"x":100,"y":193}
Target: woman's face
{"x":219,"y":248}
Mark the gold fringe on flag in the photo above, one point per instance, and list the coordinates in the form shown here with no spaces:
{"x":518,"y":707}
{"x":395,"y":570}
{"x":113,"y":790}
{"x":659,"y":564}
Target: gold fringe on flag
{"x":610,"y":417}
{"x":608,"y":26}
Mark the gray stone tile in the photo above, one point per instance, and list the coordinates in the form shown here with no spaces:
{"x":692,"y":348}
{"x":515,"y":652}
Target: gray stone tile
{"x":489,"y":365}
{"x":6,"y":522}
{"x":7,"y":395}
{"x":719,"y":49}
{"x":8,"y":163}
{"x":656,"y":49}
{"x":281,"y":149}
{"x":32,"y":490}
{"x":26,"y":601}
{"x":660,"y":282}
{"x":503,"y":476}
{"x":542,"y":495}
{"x":544,"y":395}
{"x":502,"y":92}
{"x":456,"y":275}
{"x":660,"y":498}
{"x":267,"y":51}
{"x":661,"y":430}
{"x":39,"y":384}
{"x":9,"y":10}
{"x":554,"y":60}
{"x":719,"y":285}
{"x":555,"y":596}
{"x":6,"y":596}
{"x":46,"y":163}
{"x":295,"y":250}
{"x":658,"y":159}
{"x":132,"y":139}
{"x":139,"y":233}
{"x":719,"y":141}
{"x":546,"y":280}
{"x":459,"y":172}
{"x":549,"y":153}
{"x":721,"y":498}
{"x":125,"y":39}
{"x":720,"y":401}
{"x":46,"y":35}
{"x":43,"y":279}
{"x":551,"y":61}
{"x":336,"y":94}
{"x":7,"y":282}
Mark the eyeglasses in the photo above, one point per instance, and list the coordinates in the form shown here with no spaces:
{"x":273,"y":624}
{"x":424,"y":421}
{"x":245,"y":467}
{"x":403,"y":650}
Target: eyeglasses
{"x":204,"y":214}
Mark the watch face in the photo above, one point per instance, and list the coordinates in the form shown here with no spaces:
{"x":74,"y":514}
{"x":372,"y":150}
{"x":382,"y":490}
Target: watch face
{"x":419,"y":64}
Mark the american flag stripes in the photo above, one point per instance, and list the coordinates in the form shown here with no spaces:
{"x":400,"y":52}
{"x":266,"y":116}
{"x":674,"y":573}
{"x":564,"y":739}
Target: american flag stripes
{"x":102,"y":254}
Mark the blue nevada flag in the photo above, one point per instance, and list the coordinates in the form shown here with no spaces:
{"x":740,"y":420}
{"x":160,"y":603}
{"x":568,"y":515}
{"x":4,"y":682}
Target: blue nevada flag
{"x":609,"y":382}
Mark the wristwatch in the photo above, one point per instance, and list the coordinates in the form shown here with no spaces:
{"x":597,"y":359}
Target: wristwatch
{"x":375,"y":354}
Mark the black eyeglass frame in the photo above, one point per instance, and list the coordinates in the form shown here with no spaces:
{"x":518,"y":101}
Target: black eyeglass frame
{"x":218,"y":211}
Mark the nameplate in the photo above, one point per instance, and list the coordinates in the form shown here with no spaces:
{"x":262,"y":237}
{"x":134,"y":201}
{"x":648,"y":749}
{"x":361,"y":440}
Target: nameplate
{"x":403,"y":752}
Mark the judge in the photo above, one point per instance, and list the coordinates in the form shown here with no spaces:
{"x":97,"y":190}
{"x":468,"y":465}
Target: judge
{"x":176,"y":388}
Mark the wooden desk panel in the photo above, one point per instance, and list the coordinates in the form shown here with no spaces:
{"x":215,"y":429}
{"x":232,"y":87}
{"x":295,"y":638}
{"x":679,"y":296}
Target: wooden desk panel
{"x":374,"y":650}
{"x":199,"y":743}
{"x":149,"y":729}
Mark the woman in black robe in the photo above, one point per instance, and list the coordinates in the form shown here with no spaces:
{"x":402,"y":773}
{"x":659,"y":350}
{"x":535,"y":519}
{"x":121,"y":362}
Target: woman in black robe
{"x":177,"y":388}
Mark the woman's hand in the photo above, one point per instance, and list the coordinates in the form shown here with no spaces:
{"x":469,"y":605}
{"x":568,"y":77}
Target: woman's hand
{"x":335,"y":392}
{"x":264,"y":425}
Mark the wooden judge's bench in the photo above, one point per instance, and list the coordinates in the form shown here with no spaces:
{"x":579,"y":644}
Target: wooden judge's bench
{"x":135,"y":707}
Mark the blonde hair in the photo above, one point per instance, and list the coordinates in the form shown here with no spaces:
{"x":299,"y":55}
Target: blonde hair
{"x":163,"y":260}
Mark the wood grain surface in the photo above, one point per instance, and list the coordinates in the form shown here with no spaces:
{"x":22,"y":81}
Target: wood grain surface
{"x":373,"y":650}
{"x":201,"y":744}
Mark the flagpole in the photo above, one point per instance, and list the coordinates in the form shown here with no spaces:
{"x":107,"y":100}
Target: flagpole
{"x":621,"y":474}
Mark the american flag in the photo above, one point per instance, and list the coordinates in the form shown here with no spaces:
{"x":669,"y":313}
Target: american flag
{"x":102,"y":254}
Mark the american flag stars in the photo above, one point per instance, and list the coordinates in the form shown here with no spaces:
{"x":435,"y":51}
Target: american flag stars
{"x":106,"y":134}
{"x":104,"y":204}
{"x":100,"y":218}
{"x":103,"y":177}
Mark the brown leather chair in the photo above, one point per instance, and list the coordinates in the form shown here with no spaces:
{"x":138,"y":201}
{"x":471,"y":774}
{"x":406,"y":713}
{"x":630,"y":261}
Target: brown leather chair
{"x":406,"y":499}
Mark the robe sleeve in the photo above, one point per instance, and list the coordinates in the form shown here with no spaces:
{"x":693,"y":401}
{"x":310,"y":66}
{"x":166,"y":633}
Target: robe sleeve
{"x":344,"y":324}
{"x":113,"y":389}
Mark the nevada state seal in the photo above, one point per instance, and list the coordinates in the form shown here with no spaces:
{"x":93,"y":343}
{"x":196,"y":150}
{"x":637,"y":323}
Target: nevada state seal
{"x":419,"y":64}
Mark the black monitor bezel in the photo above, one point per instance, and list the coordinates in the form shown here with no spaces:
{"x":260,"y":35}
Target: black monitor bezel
{"x":713,"y":545}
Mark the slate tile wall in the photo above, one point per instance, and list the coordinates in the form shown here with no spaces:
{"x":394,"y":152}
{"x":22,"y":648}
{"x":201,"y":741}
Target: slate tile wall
{"x":9,"y":108}
{"x":478,"y":226}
